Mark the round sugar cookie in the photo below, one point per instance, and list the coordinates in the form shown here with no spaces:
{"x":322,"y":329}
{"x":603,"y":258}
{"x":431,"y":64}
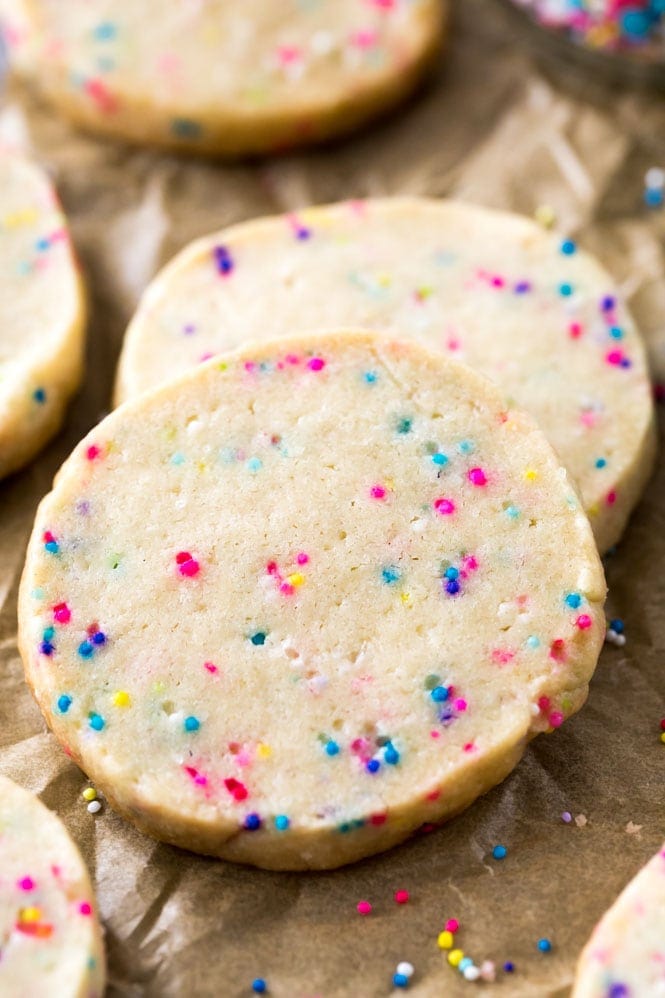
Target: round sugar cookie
{"x":327,"y":584}
{"x":216,"y":77}
{"x":42,"y":313}
{"x":51,"y":937}
{"x":625,"y":956}
{"x":536,"y":315}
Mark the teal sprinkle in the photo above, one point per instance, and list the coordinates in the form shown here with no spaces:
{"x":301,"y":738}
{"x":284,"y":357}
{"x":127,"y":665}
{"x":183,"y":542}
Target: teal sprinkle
{"x":616,"y":333}
{"x":39,"y":395}
{"x":533,"y":642}
{"x":258,"y":638}
{"x":49,"y":633}
{"x":64,"y":703}
{"x":86,"y":649}
{"x":178,"y":458}
{"x":370,"y":377}
{"x":404,"y":425}
{"x":97,"y":722}
{"x":513,"y":512}
{"x":38,"y":593}
{"x":573,"y":600}
{"x":601,"y":462}
{"x":344,"y":827}
{"x":282,"y":823}
{"x":52,"y":547}
{"x":332,"y":748}
{"x":192,"y":724}
{"x":254,"y":464}
{"x":566,"y":290}
{"x":466,"y":447}
{"x":440,"y":459}
{"x":105,"y":32}
{"x":391,"y":755}
{"x":186,"y":128}
{"x":391,"y":575}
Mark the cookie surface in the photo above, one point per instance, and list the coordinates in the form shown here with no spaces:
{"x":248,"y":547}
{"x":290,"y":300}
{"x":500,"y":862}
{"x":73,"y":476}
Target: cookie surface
{"x":222,"y":78}
{"x":42,"y":313}
{"x":536,"y":315}
{"x":625,"y":956}
{"x":51,"y":938}
{"x":358,"y":587}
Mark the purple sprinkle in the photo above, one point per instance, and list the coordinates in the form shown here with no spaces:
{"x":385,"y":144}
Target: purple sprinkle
{"x":624,"y":362}
{"x":303,"y":233}
{"x":608,"y":303}
{"x":618,"y":991}
{"x":189,"y":329}
{"x":567,"y":817}
{"x":223,"y":260}
{"x":522,"y":287}
{"x":452,"y":587}
{"x":82,"y":507}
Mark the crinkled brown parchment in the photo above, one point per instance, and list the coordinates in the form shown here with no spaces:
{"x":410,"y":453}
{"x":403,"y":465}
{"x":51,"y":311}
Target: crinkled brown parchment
{"x":497,"y":128}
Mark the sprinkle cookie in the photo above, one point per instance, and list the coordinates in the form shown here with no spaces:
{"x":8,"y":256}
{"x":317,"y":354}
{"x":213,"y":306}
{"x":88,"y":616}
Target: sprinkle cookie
{"x":328,"y":584}
{"x":42,"y":313}
{"x":51,"y":938}
{"x":529,"y":310}
{"x":625,"y":956}
{"x":216,"y":77}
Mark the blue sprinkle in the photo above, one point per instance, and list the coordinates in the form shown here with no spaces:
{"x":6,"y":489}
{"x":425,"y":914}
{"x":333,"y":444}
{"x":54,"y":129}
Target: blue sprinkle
{"x":46,"y":648}
{"x":52,"y":547}
{"x":616,"y":332}
{"x":573,"y":600}
{"x":42,"y":245}
{"x":97,"y":722}
{"x":252,"y":823}
{"x":400,"y":981}
{"x":332,"y":748}
{"x":404,"y":425}
{"x":601,"y":462}
{"x":544,"y":945}
{"x":440,"y":459}
{"x":259,"y":638}
{"x":86,"y":650}
{"x":568,"y":247}
{"x":105,"y":32}
{"x":223,"y":259}
{"x":64,"y":703}
{"x":370,"y":377}
{"x":373,"y":766}
{"x":440,"y":694}
{"x":99,"y":638}
{"x":192,"y":724}
{"x":465,"y":962}
{"x":522,"y":287}
{"x":282,"y":823}
{"x":466,"y":447}
{"x":259,"y":986}
{"x":617,"y":625}
{"x":509,"y":966}
{"x":653,"y":197}
{"x":39,"y":395}
{"x":390,"y":755}
{"x":608,"y":303}
{"x":254,"y":464}
{"x":391,"y":575}
{"x":565,"y":290}
{"x":452,"y":587}
{"x":499,"y":852}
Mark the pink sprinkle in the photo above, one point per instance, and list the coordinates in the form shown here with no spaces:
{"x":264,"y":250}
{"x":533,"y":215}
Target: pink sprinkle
{"x":93,"y":452}
{"x":61,"y":613}
{"x":611,"y":498}
{"x":588,"y":418}
{"x":452,"y":925}
{"x":544,"y":704}
{"x":210,"y":667}
{"x":470,"y":563}
{"x":363,"y":908}
{"x":287,"y":589}
{"x":444,"y":506}
{"x":401,"y":897}
{"x":377,"y":492}
{"x":575,"y":330}
{"x":101,"y":96}
{"x":293,"y":359}
{"x":288,"y":54}
{"x":460,"y":705}
{"x":237,"y":789}
{"x":556,"y":719}
{"x":470,"y":747}
{"x":271,"y":567}
{"x":26,"y":884}
{"x":187,"y":565}
{"x":198,"y":778}
{"x":316,"y":364}
{"x":205,"y":356}
{"x":498,"y":282}
{"x":584,"y":621}
{"x":433,"y":795}
{"x":435,"y":734}
{"x":302,"y":558}
{"x":48,"y":537}
{"x":477,"y":476}
{"x":85,"y":908}
{"x":501,"y":656}
{"x":614,"y":357}
{"x":365,"y":39}
{"x":558,"y":650}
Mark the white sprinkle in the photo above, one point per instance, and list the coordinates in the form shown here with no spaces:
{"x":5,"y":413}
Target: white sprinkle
{"x":472,"y":973}
{"x":406,"y":969}
{"x":487,"y":971}
{"x":654,"y":178}
{"x":94,"y":806}
{"x":614,"y":638}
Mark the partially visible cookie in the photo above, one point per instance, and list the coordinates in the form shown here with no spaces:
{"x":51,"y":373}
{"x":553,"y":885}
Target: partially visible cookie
{"x":625,"y":956}
{"x":42,"y":313}
{"x":219,"y":77}
{"x":330,"y":587}
{"x":537,"y":315}
{"x":51,"y":940}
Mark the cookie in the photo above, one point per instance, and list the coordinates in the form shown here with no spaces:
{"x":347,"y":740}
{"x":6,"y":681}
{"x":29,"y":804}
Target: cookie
{"x":51,"y":938}
{"x":42,"y":313}
{"x":223,"y":78}
{"x":535,"y":314}
{"x":625,"y":956}
{"x":329,"y":585}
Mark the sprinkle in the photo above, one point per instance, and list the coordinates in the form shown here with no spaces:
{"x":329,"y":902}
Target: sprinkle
{"x":404,"y":425}
{"x":405,"y":968}
{"x":96,"y":721}
{"x":89,"y":794}
{"x":61,"y":613}
{"x":192,"y":724}
{"x":26,"y":884}
{"x":568,"y":247}
{"x":545,"y":216}
{"x":544,"y":945}
{"x":364,"y":908}
{"x":400,"y":981}
{"x":237,"y":789}
{"x":391,"y":575}
{"x":617,"y":625}
{"x":567,"y":817}
{"x":477,"y":477}
{"x":573,"y":600}
{"x":258,"y":638}
{"x":373,"y":766}
{"x":471,"y":973}
{"x":86,"y":649}
{"x":440,"y":694}
{"x":93,"y":452}
{"x":316,"y":364}
{"x":566,"y":290}
{"x":187,"y":566}
{"x":445,"y":507}
{"x":94,"y":807}
{"x":377,"y":492}
{"x":259,"y":986}
{"x":499,"y":852}
{"x":332,"y":748}
{"x":252,"y":822}
{"x":223,"y":260}
{"x":64,"y":703}
{"x":39,"y":395}
{"x":121,"y":699}
{"x":455,"y":957}
{"x":445,"y":940}
{"x":509,"y":966}
{"x":401,"y":897}
{"x":85,"y":908}
{"x":370,"y":377}
{"x":452,"y":925}
{"x":282,"y":823}
{"x":390,"y":755}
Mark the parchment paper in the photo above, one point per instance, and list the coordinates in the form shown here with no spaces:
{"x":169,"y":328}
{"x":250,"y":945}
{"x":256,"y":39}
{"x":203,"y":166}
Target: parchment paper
{"x":496,"y":128}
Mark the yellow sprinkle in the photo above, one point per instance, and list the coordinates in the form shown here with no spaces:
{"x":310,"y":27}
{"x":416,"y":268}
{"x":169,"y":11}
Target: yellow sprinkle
{"x":545,"y":216}
{"x":531,"y":474}
{"x":445,"y":940}
{"x":30,"y":914}
{"x":455,"y":957}
{"x":405,"y":597}
{"x":264,"y":751}
{"x":159,"y":687}
{"x":121,"y":699}
{"x":662,"y":737}
{"x":297,"y":579}
{"x":222,"y":366}
{"x":17,"y":218}
{"x":384,"y":280}
{"x":201,"y":466}
{"x":592,"y":510}
{"x":89,"y":793}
